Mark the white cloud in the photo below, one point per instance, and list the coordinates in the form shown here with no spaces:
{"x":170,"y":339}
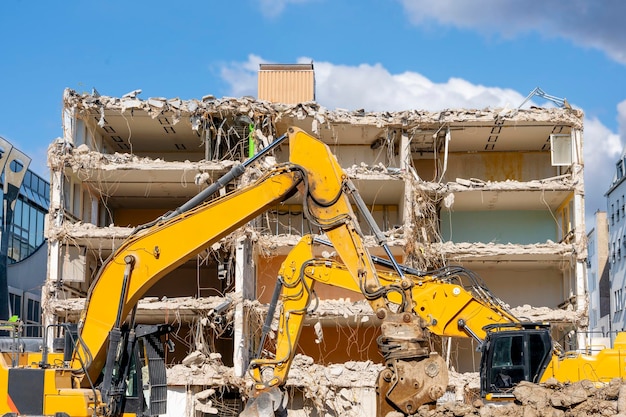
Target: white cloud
{"x":242,"y":76}
{"x":589,"y":23}
{"x":273,"y":8}
{"x":602,"y":149}
{"x":373,"y":88}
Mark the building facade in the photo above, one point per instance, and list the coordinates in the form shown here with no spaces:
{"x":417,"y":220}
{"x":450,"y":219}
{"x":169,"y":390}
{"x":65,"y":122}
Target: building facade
{"x":616,"y":219}
{"x":598,"y":287}
{"x":499,"y":192}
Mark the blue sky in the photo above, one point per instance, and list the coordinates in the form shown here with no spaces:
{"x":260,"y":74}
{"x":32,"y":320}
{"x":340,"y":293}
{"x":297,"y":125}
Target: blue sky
{"x":371,"y":54}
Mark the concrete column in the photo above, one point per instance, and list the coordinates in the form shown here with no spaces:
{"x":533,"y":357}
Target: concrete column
{"x":405,"y":166}
{"x":55,"y":219}
{"x":69,"y":124}
{"x":580,"y":237}
{"x":94,"y":211}
{"x":245,"y":288}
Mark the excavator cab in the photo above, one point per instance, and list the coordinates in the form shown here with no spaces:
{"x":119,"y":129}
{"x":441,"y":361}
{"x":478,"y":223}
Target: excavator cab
{"x":134,"y":377}
{"x":511,"y":353}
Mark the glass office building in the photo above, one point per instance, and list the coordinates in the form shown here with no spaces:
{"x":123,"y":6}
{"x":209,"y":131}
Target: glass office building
{"x":26,"y":266}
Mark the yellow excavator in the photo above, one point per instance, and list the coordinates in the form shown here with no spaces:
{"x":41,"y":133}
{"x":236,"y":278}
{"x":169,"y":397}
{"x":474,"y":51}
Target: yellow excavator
{"x":112,"y":366}
{"x":451,"y":301}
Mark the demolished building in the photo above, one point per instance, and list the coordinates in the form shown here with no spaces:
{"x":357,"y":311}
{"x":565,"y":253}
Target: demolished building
{"x":497,"y":191}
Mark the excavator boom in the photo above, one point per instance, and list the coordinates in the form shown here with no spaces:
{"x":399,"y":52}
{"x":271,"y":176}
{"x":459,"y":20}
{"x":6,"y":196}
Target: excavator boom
{"x":153,"y":253}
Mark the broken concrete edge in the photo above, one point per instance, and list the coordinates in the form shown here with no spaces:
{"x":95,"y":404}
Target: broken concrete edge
{"x":565,"y":183}
{"x":80,"y":231}
{"x":407,"y":119}
{"x":180,"y":309}
{"x":91,"y":164}
{"x":201,"y":369}
{"x":360,"y":313}
{"x":82,"y":160}
{"x":356,"y":312}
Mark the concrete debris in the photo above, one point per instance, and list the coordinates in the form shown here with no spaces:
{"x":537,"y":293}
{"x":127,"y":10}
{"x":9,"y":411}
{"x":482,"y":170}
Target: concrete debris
{"x":371,"y":172}
{"x":356,"y":312}
{"x":461,"y":384}
{"x":206,"y":309}
{"x":467,"y":249}
{"x":333,"y":390}
{"x":208,"y":373}
{"x":360,"y":311}
{"x":109,"y":237}
{"x":538,"y":314}
{"x":270,"y":245}
{"x":80,"y":231}
{"x":562,"y":182}
{"x":551,"y":398}
{"x":154,"y":303}
{"x":82,"y":160}
{"x":195,"y":358}
{"x":345,"y":308}
{"x":204,"y":403}
{"x":306,"y":374}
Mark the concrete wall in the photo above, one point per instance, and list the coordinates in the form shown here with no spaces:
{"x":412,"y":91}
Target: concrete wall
{"x":510,"y":226}
{"x":489,"y":166}
{"x":500,"y":166}
{"x":515,"y":285}
{"x":349,"y":155}
{"x":267,"y":271}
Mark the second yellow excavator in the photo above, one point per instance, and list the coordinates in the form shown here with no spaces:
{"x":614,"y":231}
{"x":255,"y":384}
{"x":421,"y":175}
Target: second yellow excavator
{"x":451,"y":301}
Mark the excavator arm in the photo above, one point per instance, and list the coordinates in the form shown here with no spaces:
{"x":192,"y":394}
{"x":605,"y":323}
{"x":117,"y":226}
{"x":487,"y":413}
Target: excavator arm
{"x":452,"y":300}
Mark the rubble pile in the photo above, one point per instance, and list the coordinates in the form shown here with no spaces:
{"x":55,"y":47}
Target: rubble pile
{"x":306,"y":373}
{"x":333,"y":390}
{"x":341,"y":390}
{"x":363,"y":169}
{"x":530,"y":313}
{"x":64,"y":154}
{"x":199,"y":368}
{"x":551,"y":398}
